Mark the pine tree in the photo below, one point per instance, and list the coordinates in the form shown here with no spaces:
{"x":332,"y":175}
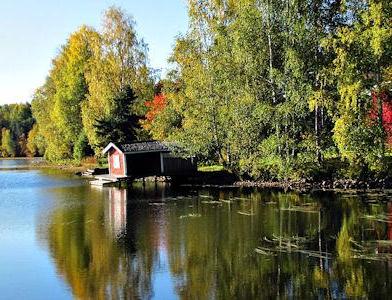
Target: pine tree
{"x":122,"y":125}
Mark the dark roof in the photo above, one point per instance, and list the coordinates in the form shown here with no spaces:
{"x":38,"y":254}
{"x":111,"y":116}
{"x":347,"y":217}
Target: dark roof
{"x":151,"y":146}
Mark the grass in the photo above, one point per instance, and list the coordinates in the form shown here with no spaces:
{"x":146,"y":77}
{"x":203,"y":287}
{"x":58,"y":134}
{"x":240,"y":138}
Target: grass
{"x":70,"y":165}
{"x":213,"y":168}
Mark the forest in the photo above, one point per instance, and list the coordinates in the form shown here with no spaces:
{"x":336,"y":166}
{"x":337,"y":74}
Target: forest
{"x":271,"y":90}
{"x":16,"y":121}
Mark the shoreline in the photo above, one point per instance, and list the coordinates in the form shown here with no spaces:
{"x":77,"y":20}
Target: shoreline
{"x":40,"y":163}
{"x":69,"y":168}
{"x":20,"y":158}
{"x":334,"y":185}
{"x":225,"y":179}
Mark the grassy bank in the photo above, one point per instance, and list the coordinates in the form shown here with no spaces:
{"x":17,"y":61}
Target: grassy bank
{"x":212,"y":168}
{"x":70,"y":165}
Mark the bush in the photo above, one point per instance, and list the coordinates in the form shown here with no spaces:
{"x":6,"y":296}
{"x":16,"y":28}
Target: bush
{"x":82,"y":147}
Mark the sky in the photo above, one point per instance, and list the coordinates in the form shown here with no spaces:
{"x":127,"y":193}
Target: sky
{"x":32,"y":32}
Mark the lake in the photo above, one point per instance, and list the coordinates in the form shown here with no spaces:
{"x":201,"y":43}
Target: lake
{"x":60,"y":238}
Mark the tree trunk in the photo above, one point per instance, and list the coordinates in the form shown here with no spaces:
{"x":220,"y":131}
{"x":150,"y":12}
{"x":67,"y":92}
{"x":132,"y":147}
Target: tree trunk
{"x":271,"y":58}
{"x":380,"y":110}
{"x":317,"y":133}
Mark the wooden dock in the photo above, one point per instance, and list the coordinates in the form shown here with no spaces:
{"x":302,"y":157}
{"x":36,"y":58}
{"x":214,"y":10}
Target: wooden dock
{"x":108,"y":180}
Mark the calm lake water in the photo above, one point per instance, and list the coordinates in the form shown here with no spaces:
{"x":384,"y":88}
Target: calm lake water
{"x":61,"y":238}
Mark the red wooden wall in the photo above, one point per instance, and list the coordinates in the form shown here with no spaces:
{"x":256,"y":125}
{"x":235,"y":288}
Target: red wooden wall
{"x":116,"y":171}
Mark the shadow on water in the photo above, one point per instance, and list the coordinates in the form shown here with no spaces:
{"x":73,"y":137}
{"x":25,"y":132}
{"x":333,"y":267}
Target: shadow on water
{"x":190,"y":243}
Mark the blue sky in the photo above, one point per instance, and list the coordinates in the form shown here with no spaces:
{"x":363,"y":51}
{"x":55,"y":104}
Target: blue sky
{"x":32,"y":31}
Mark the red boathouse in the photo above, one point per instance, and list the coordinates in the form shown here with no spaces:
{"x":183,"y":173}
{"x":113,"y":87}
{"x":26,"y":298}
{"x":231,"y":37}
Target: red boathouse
{"x":142,"y":159}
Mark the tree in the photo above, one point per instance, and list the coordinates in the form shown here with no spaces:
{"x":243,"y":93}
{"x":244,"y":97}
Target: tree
{"x":57,"y":104}
{"x":119,"y":61}
{"x":368,"y":36}
{"x":18,"y":120}
{"x":155,"y":107}
{"x":92,"y":70}
{"x":122,"y":126}
{"x":69,"y":79}
{"x":35,"y":142}
{"x":259,"y":85}
{"x":82,"y":147}
{"x":242,"y":81}
{"x":8,"y":147}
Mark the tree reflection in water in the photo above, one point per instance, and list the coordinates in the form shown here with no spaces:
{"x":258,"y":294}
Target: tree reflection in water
{"x":83,"y":242}
{"x":201,"y":244}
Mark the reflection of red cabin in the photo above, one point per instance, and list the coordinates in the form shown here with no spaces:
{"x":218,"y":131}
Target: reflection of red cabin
{"x":117,"y":211}
{"x":143,"y":159}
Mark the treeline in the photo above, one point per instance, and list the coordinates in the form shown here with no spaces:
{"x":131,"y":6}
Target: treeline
{"x":95,"y":90}
{"x":16,"y":121}
{"x":270,"y":89}
{"x":283,"y":89}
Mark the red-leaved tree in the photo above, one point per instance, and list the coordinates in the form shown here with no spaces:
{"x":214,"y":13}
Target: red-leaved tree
{"x":154,"y":107}
{"x":386,"y":109}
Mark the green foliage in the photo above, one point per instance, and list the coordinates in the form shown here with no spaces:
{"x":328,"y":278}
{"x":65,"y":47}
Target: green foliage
{"x":361,"y":144}
{"x":220,"y":105}
{"x":88,"y":77}
{"x":57,"y":104}
{"x":123,"y":124}
{"x":119,"y":61}
{"x":8,"y":147}
{"x":267,"y":89}
{"x":17,"y":120}
{"x":272,"y":90}
{"x":213,"y":168}
{"x":35,"y":142}
{"x":82,"y":147}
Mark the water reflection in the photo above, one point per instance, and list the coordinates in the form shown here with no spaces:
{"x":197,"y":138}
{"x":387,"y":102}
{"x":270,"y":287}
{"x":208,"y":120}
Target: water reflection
{"x":157,"y":242}
{"x":117,"y":211}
